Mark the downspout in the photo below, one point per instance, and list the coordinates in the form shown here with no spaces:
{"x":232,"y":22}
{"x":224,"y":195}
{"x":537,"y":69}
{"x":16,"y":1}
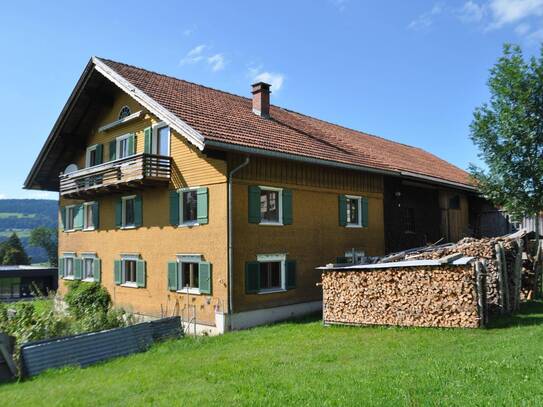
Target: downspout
{"x":230,"y":246}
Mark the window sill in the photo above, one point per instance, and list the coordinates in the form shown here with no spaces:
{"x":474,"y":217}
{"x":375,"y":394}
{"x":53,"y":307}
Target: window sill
{"x":353,"y":226}
{"x":88,"y":280}
{"x":188,"y":225}
{"x":69,"y":230}
{"x":272,"y":291}
{"x":130,"y":285}
{"x":128,"y":227}
{"x":68,"y":278}
{"x":89,"y":229}
{"x":194,"y":291}
{"x":271,"y":224}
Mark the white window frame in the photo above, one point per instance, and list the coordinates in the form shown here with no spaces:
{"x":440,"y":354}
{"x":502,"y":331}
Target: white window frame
{"x":275,"y":257}
{"x":187,"y":258}
{"x":123,"y":212}
{"x":87,"y":155}
{"x":85,"y":218}
{"x":124,"y":258}
{"x":182,"y":222}
{"x":87,"y":256}
{"x":279,"y":222}
{"x":154,"y":137}
{"x":67,"y":210}
{"x":72,"y":257}
{"x":359,"y":204}
{"x":118,"y":145}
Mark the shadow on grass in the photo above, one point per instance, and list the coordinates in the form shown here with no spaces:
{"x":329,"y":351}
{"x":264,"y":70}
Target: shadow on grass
{"x":531,"y":313}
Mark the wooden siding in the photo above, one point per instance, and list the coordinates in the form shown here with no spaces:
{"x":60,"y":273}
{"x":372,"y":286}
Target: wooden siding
{"x":301,"y":174}
{"x":314,"y":238}
{"x":454,"y":222}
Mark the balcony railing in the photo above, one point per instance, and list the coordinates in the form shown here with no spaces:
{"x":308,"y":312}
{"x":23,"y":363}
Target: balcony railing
{"x":124,"y":174}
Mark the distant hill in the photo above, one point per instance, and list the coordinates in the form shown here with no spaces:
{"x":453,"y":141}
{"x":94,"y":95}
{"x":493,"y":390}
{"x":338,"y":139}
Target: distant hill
{"x":23,"y":215}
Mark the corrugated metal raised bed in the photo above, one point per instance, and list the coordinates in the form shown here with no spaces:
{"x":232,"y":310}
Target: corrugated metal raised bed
{"x":89,"y":348}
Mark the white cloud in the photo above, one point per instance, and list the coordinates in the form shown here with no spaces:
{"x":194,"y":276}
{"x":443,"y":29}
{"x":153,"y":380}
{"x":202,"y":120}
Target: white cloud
{"x":216,"y":62}
{"x":472,"y":12}
{"x":425,"y":20}
{"x":194,"y":55}
{"x":275,"y":79}
{"x":2,"y":196}
{"x":512,"y":11}
{"x":522,"y":29}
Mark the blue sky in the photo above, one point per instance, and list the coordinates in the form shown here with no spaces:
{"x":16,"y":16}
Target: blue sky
{"x":410,"y":71}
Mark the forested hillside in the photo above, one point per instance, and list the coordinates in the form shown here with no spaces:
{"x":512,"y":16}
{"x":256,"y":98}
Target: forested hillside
{"x":23,"y":215}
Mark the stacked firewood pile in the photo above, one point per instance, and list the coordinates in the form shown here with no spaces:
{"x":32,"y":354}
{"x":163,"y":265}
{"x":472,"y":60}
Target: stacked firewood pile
{"x":428,"y":296}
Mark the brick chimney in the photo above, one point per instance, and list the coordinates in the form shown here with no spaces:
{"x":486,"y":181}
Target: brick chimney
{"x":261,"y":99}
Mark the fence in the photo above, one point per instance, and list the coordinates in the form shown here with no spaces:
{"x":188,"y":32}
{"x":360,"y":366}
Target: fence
{"x":89,"y":348}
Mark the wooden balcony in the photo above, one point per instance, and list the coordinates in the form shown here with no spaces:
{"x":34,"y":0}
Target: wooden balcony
{"x":122,"y":175}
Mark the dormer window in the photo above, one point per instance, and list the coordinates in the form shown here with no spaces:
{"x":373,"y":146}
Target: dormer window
{"x":125,"y":112}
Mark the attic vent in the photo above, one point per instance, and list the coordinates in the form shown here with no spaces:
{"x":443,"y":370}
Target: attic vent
{"x":125,"y":111}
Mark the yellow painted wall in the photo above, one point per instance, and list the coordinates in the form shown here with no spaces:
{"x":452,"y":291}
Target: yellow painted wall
{"x":315,"y":237}
{"x":157,"y":241}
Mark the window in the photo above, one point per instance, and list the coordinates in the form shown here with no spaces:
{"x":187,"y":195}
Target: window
{"x":89,"y":215}
{"x":454,"y":202}
{"x":270,"y":275}
{"x":70,"y":218}
{"x":123,"y":147}
{"x":92,"y":157}
{"x":129,"y":271}
{"x":189,"y":274}
{"x":189,"y":206}
{"x":128,"y":212}
{"x":161,"y":139}
{"x":270,"y":205}
{"x":88,"y":268}
{"x":69,"y":269}
{"x":125,"y":111}
{"x":353,"y":211}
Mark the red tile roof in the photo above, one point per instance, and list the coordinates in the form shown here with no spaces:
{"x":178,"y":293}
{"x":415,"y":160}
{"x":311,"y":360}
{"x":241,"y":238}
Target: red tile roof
{"x":224,"y":117}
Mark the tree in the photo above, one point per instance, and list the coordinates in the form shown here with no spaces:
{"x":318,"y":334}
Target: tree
{"x":509,"y":134}
{"x":14,"y":252}
{"x":46,"y":238}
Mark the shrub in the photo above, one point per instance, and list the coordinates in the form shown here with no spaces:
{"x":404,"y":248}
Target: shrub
{"x":84,"y":298}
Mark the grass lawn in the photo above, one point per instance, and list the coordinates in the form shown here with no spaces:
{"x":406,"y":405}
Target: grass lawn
{"x":304,"y":363}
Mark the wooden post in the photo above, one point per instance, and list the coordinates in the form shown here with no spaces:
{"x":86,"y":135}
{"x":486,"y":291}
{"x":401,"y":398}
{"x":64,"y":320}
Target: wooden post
{"x":502,"y":278}
{"x":480,"y":276}
{"x":6,"y":348}
{"x":518,"y":275}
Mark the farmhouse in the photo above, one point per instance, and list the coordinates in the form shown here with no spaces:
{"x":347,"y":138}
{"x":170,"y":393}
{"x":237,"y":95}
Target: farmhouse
{"x":186,"y":200}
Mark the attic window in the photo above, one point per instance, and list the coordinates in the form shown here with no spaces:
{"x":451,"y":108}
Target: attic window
{"x":125,"y":112}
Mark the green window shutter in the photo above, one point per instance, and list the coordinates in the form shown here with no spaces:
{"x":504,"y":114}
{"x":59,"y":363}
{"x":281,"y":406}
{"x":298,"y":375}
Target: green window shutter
{"x":287,"y":207}
{"x":61,"y":267}
{"x":96,"y":215}
{"x":141,"y":277}
{"x":204,"y":277}
{"x":78,"y":266}
{"x":254,"y":204}
{"x":174,"y":208}
{"x":290,"y":268}
{"x":78,"y":218}
{"x":117,"y":272}
{"x":364,"y":214}
{"x":97,"y":269}
{"x":173,"y":276}
{"x":99,"y":154}
{"x":148,"y":140}
{"x":252,"y":277}
{"x":138,"y":210}
{"x":112,"y":150}
{"x":119,"y":213}
{"x":62,"y":217}
{"x":202,"y":205}
{"x":342,"y":205}
{"x":131,"y":144}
